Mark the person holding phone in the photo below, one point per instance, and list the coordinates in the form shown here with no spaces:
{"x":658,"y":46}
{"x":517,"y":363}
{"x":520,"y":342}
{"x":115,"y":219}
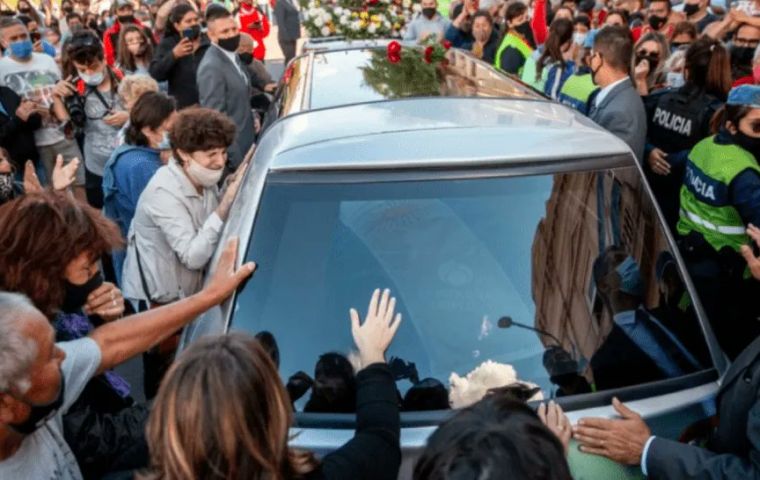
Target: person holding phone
{"x":179,"y":53}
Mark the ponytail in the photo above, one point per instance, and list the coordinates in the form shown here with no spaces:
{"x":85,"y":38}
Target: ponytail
{"x":708,"y":66}
{"x":560,"y":32}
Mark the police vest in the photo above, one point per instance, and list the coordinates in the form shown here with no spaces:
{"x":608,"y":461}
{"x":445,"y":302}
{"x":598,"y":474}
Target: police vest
{"x":578,"y":91}
{"x":512,"y":40}
{"x":705,"y":206}
{"x":679,"y":120}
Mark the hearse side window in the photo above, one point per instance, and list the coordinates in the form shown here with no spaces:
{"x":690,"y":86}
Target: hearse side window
{"x":560,"y":281}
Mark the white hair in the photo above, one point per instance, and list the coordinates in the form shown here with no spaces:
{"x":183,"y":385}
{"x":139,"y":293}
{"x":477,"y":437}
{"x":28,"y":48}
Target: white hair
{"x":17,"y":352}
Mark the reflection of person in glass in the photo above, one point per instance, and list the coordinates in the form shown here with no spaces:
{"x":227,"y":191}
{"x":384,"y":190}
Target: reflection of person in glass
{"x":637,"y":338}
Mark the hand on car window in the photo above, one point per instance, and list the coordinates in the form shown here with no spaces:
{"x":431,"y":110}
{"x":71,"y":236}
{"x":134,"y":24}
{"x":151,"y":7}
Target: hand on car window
{"x":753,"y":262}
{"x":554,"y":418}
{"x":226,"y":278}
{"x":373,"y":337}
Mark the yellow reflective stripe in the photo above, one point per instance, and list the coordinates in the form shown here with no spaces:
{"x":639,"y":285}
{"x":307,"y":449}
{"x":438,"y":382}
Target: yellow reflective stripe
{"x":711,"y":226}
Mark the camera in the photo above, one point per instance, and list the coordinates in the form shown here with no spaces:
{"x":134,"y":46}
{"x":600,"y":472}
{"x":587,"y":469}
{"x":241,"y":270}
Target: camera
{"x":75,"y":107}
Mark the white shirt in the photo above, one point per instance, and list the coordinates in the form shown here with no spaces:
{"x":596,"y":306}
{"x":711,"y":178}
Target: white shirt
{"x":606,"y":91}
{"x":45,"y":455}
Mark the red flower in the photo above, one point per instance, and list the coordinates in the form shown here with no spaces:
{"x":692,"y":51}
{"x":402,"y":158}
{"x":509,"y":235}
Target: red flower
{"x":446,"y":44}
{"x":394,"y":57}
{"x":372,"y":2}
{"x":394,"y":48}
{"x":429,"y":54}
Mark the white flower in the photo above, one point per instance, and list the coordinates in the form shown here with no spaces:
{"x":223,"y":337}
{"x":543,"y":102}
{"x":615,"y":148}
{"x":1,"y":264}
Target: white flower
{"x":326,"y":17}
{"x":416,"y":8}
{"x":406,"y":3}
{"x":387,"y":25}
{"x":313,"y":12}
{"x":318,"y":22}
{"x":371,"y":29}
{"x":325,"y":32}
{"x":344,"y":20}
{"x":338,"y":11}
{"x":356,"y":26}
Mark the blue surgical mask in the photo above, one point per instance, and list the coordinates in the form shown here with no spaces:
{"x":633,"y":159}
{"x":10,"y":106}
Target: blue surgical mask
{"x":92,"y":80}
{"x":630,"y":277}
{"x":21,"y":49}
{"x":165,"y":144}
{"x":675,"y":79}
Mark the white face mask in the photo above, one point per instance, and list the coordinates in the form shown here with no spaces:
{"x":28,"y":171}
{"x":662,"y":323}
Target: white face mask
{"x":579,"y":38}
{"x":675,"y":79}
{"x":92,"y":80}
{"x":204,"y":176}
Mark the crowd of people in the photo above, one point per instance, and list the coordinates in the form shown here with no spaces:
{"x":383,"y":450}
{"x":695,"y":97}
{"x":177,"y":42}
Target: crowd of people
{"x":125,"y":132}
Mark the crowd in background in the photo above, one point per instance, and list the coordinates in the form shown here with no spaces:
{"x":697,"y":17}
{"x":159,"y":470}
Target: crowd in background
{"x":126,"y":129}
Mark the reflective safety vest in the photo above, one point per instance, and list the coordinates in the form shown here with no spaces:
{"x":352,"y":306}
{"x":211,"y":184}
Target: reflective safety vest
{"x":512,"y":40}
{"x":578,"y":91}
{"x":705,"y":205}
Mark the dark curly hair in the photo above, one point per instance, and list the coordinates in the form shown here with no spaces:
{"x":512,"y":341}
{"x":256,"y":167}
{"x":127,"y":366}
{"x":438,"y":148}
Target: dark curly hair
{"x":199,"y":129}
{"x":40,"y":233}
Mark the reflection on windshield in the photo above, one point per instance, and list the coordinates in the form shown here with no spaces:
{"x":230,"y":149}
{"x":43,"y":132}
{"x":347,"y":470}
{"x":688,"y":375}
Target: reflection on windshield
{"x":559,"y":282}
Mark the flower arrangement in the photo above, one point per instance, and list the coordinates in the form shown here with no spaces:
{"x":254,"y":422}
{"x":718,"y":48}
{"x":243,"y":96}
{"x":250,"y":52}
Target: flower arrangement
{"x":358,"y":19}
{"x":399,"y":72}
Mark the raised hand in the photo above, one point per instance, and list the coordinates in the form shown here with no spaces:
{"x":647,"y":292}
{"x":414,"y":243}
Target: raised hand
{"x":64,"y":175}
{"x":373,"y":337}
{"x":226,"y":277}
{"x":752,"y":261}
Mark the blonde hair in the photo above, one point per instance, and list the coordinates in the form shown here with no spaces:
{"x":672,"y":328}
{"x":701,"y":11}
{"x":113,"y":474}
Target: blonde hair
{"x":223,"y":413}
{"x":132,"y":87}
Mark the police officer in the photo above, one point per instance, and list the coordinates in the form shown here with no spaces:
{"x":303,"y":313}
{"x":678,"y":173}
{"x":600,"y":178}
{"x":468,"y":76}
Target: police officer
{"x":720,"y":198}
{"x":579,"y":90}
{"x":678,"y":118}
{"x":518,"y":44}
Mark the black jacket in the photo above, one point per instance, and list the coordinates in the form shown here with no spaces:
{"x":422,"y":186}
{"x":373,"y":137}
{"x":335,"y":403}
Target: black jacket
{"x":180,"y":73}
{"x":17,"y":136}
{"x":734,"y":449}
{"x":374,"y":453}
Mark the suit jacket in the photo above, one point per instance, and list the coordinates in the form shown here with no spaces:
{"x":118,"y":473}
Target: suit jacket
{"x":622,"y":113}
{"x":288,"y":20}
{"x":734,"y":449}
{"x":222,"y":87}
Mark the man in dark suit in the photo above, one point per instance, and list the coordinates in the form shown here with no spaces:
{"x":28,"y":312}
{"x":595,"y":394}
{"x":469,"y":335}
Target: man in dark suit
{"x":288,"y":27}
{"x":732,"y":452}
{"x":223,"y":81}
{"x":617,"y":107}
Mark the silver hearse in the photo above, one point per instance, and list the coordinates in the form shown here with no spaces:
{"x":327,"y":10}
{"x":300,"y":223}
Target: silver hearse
{"x":510,"y":228}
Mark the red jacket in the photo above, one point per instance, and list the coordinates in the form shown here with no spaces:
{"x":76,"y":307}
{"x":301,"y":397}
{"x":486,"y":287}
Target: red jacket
{"x":111,"y":40}
{"x":249,"y":17}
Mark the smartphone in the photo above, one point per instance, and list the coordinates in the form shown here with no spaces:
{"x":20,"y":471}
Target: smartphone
{"x":189,"y":34}
{"x":35,"y":37}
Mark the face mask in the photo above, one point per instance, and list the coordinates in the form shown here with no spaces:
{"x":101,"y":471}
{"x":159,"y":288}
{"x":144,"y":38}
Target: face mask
{"x":76,"y":295}
{"x":657,"y":22}
{"x":579,"y":38}
{"x":92,"y":80}
{"x":630,"y":277}
{"x":741,"y":56}
{"x":690,"y":9}
{"x":21,"y":49}
{"x":675,"y":79}
{"x":246,"y":58}
{"x":428,"y":12}
{"x":756,"y":73}
{"x":204,"y":176}
{"x":165,"y":143}
{"x":674,"y":47}
{"x":230,"y":44}
{"x":750,"y":144}
{"x":525,"y":30}
{"x":192,"y":33}
{"x":653,"y":61}
{"x":126,"y":19}
{"x":40,"y":414}
{"x":6,"y":187}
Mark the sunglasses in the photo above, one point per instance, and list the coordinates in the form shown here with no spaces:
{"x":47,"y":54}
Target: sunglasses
{"x":647,"y":53}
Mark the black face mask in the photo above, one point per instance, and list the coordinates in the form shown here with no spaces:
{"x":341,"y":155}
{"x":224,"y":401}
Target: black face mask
{"x":690,"y":9}
{"x":24,"y":10}
{"x":526,"y":32}
{"x":428,"y":12}
{"x":246,"y":58}
{"x":657,"y":22}
{"x":192,"y":33}
{"x":40,"y":414}
{"x":742,"y":56}
{"x":126,"y":19}
{"x":750,"y":144}
{"x":76,"y":295}
{"x":230,"y":44}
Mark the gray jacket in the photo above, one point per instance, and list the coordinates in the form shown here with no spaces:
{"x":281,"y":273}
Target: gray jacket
{"x":734,"y":450}
{"x":622,"y":113}
{"x":222,"y":87}
{"x":175,"y":231}
{"x":288,"y":20}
